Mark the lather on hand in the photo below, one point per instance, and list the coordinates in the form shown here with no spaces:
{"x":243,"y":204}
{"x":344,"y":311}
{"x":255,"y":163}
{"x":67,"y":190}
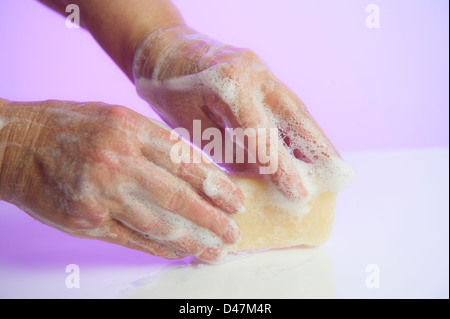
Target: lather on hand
{"x":103,"y":171}
{"x":225,"y":86}
{"x":187,"y":76}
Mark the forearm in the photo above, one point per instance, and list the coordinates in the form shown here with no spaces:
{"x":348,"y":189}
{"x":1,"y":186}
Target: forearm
{"x":120,"y":26}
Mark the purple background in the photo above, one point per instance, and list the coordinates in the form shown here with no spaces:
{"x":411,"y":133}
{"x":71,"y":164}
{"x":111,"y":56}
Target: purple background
{"x":381,"y":88}
{"x":368,"y":88}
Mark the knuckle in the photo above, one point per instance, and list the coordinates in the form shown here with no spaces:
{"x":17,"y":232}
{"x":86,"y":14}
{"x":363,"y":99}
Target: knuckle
{"x":248,"y":54}
{"x":81,"y":216}
{"x":177,"y":200}
{"x":117,"y":112}
{"x":121,"y":118}
{"x":155,"y":229}
{"x":246,"y":58}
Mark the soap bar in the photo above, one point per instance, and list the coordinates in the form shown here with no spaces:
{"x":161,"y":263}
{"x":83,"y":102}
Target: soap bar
{"x":270,"y":221}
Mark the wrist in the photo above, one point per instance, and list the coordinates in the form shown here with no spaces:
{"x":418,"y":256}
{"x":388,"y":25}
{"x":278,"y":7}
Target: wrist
{"x":121,"y":26}
{"x":18,"y":135}
{"x":157,"y":48}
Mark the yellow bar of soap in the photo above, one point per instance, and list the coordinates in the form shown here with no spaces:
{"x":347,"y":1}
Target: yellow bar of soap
{"x":267,"y":223}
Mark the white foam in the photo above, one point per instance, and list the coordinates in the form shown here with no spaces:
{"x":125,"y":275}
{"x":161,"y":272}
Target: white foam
{"x":175,"y":227}
{"x":210,"y":187}
{"x":322,"y":170}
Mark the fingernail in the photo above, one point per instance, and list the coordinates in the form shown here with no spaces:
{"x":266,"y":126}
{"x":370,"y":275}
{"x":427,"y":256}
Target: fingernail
{"x":302,"y":190}
{"x":240,"y":203}
{"x":232,"y":233}
{"x":211,"y":254}
{"x":240,"y":210}
{"x":236,"y":208}
{"x":236,"y":205}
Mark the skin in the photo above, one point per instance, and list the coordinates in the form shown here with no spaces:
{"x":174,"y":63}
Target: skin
{"x":180,"y":52}
{"x":70,"y":165}
{"x":137,"y":34}
{"x":103,"y":171}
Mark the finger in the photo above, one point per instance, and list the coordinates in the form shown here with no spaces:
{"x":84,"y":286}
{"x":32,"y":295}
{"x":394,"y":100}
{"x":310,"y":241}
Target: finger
{"x":168,"y":210}
{"x":115,"y":232}
{"x":250,"y":114}
{"x":172,"y":194}
{"x":203,"y":176}
{"x":169,"y":231}
{"x":305,"y":138}
{"x":140,"y":213}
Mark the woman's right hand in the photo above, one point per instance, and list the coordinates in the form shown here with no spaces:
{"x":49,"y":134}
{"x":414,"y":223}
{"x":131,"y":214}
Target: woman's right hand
{"x":188,"y":77}
{"x":100,"y":171}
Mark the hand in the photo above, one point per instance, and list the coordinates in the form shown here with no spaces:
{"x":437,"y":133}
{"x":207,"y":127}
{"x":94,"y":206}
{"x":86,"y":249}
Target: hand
{"x":100,"y":171}
{"x":186,"y":76}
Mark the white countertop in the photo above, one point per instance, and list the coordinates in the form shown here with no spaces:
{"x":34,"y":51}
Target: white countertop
{"x":390,"y":240}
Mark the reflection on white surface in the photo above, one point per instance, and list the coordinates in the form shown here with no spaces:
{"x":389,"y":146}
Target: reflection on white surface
{"x":395,"y":215}
{"x":285,"y":273}
{"x":390,"y":239}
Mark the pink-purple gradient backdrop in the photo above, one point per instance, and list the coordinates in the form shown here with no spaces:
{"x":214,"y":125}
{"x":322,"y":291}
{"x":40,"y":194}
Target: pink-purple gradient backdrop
{"x":368,"y":88}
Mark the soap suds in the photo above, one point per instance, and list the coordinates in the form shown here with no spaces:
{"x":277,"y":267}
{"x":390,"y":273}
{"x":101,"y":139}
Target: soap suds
{"x":320,"y":171}
{"x":172,"y":227}
{"x":210,"y":186}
